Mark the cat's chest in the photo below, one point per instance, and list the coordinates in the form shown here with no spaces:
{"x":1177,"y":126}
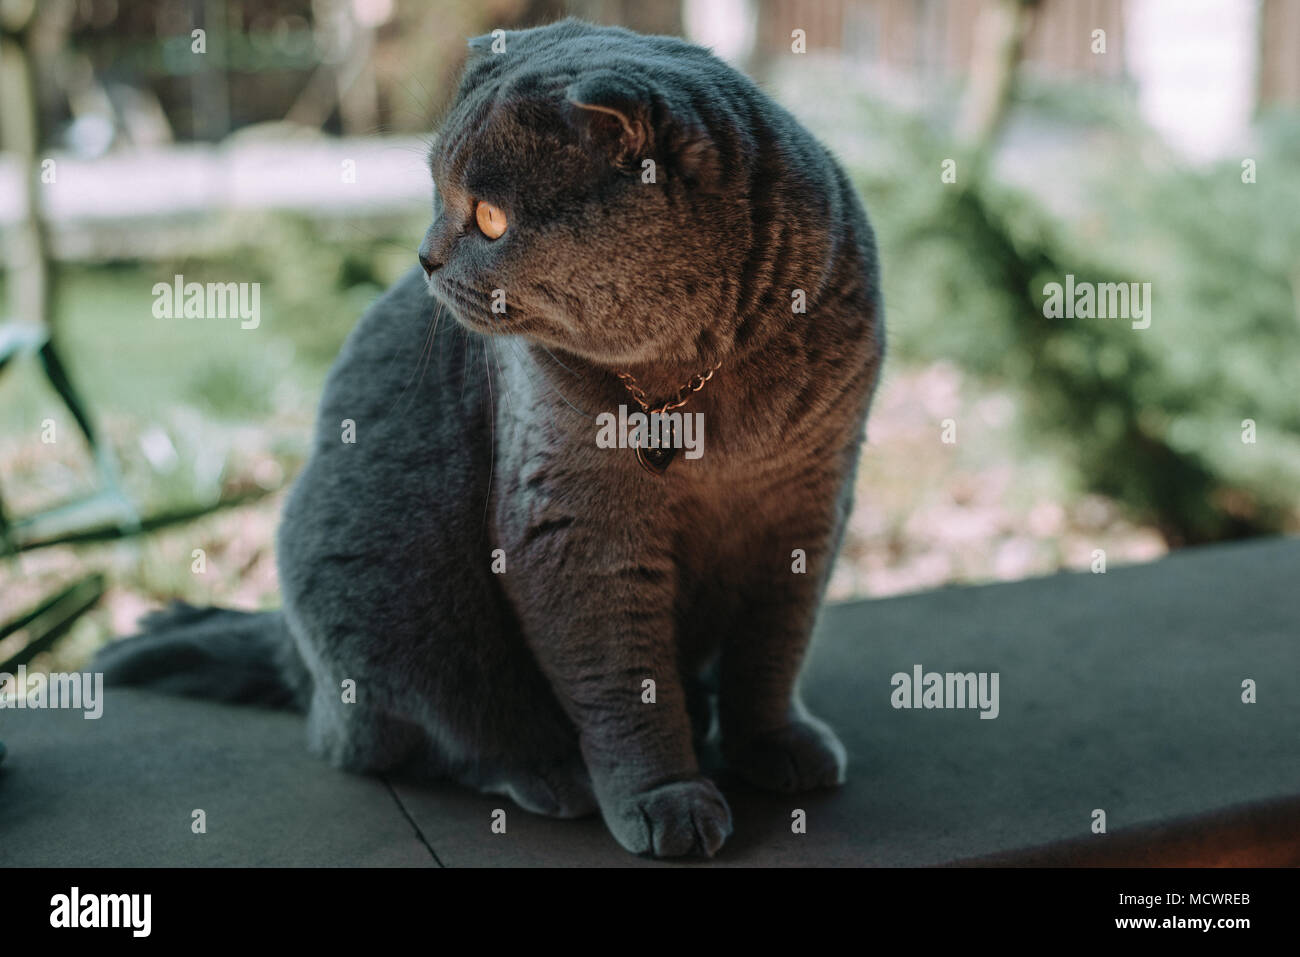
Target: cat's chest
{"x":707,"y":509}
{"x":739,"y":468}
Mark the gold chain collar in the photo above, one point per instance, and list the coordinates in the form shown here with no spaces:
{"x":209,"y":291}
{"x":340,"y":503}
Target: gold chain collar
{"x":657,"y":459}
{"x":684,"y":392}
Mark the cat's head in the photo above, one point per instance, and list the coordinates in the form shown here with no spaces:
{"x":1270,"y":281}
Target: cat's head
{"x":585,"y":197}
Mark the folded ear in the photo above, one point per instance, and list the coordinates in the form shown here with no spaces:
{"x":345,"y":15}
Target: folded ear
{"x":484,"y":44}
{"x":629,"y":124}
{"x":614,"y":117}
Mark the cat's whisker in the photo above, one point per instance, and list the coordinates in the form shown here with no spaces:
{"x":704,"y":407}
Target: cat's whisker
{"x":556,"y":360}
{"x":464,"y":363}
{"x":429,"y":334}
{"x":428,"y":97}
{"x":427,"y":353}
{"x":424,"y":106}
{"x":422,"y":151}
{"x":492,"y":445}
{"x":505,"y":390}
{"x":551,"y":385}
{"x":383,"y":129}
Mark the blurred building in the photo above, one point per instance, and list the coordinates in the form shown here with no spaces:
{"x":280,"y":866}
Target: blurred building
{"x":1201,"y":70}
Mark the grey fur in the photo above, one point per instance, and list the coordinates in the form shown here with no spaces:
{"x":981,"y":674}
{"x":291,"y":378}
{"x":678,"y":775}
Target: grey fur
{"x":479,"y":434}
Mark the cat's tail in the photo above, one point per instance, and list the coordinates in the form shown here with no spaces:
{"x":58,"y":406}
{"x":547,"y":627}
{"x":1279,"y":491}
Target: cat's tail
{"x":235,"y":656}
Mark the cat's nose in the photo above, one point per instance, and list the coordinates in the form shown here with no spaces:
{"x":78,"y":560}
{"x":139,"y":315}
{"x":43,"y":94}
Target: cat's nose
{"x":430,"y":258}
{"x":428,"y":264}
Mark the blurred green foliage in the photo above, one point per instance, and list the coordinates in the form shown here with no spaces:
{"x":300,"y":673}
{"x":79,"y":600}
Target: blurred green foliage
{"x":1152,"y":417}
{"x":204,"y":397}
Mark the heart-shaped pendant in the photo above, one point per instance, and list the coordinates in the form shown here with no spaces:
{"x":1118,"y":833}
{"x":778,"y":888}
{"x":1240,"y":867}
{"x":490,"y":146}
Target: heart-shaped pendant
{"x":657,"y":460}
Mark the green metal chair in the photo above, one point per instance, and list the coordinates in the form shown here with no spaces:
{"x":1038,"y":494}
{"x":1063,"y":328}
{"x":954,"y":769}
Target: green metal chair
{"x":107,"y":506}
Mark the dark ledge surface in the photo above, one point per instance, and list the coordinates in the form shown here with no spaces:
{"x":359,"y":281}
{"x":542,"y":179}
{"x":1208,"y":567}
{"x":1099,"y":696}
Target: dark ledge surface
{"x":1119,"y":691}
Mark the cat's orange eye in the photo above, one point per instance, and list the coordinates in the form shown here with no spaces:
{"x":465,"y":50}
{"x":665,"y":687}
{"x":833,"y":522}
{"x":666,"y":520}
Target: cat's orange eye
{"x":491,"y":220}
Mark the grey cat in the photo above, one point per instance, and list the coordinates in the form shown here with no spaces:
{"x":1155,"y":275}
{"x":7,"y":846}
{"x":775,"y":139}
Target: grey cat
{"x":499,"y":587}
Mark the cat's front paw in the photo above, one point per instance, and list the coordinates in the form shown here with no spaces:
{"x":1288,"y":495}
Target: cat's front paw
{"x":673,"y":820}
{"x":800,"y":756}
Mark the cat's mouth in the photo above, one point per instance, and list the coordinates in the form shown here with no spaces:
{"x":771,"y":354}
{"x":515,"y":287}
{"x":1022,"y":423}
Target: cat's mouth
{"x":490,"y":314}
{"x":470,"y":307}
